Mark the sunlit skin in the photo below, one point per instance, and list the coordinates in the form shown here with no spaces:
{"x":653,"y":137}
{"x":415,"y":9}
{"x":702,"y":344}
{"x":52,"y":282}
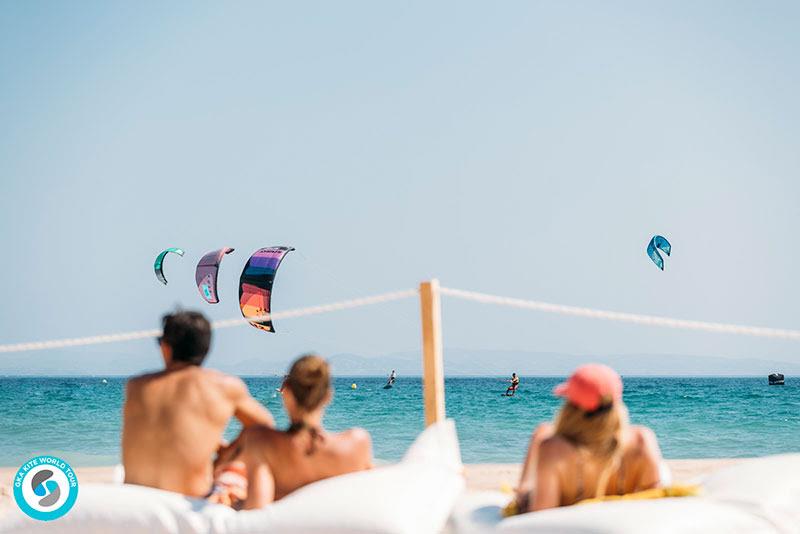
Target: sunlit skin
{"x":549,"y":473}
{"x":279,"y":463}
{"x":173,"y":422}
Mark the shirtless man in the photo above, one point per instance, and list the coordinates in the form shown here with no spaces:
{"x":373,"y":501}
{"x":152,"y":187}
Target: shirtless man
{"x":514,"y":385}
{"x":280,"y":462}
{"x":174,"y":419}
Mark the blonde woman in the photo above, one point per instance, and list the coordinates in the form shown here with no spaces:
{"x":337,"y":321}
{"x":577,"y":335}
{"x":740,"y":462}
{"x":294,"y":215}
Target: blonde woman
{"x":591,"y":450}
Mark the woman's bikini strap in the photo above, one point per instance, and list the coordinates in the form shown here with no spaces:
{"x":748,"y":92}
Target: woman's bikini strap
{"x":313,"y":431}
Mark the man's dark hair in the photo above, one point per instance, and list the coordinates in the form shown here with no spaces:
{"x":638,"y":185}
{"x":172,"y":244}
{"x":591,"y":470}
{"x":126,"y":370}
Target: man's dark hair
{"x":188,"y":333}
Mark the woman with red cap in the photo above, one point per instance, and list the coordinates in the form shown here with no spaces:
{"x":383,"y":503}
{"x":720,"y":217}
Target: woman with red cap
{"x":591,"y":450}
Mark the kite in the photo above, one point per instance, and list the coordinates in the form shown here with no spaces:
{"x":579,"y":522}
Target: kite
{"x":158,"y":266}
{"x":658,"y":243}
{"x":206,"y":274}
{"x":255,"y":284}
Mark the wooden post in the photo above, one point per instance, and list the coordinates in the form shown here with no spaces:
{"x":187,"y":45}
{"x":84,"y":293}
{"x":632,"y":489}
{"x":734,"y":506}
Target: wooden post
{"x":432,"y":364}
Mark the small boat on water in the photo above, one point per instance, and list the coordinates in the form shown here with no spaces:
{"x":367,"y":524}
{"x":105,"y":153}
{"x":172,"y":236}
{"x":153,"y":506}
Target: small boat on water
{"x":775,"y":379}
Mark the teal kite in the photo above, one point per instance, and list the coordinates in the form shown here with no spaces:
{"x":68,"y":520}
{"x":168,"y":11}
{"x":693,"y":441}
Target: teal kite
{"x":158,"y":266}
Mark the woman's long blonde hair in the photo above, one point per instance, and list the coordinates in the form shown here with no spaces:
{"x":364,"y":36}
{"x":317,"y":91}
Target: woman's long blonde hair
{"x":599,"y":433}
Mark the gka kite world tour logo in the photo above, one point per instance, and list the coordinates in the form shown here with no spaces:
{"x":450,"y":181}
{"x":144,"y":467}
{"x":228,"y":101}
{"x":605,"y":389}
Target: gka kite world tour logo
{"x":45,"y":488}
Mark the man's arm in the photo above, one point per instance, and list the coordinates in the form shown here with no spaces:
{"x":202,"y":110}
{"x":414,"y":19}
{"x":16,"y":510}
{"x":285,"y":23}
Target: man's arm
{"x":247,"y":409}
{"x":131,"y":419}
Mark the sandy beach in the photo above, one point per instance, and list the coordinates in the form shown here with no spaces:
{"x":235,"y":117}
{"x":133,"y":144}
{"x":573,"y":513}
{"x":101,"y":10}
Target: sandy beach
{"x":479,"y":476}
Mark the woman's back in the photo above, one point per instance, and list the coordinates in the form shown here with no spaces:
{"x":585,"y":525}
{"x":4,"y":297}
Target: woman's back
{"x":568,"y":473}
{"x":280,"y":462}
{"x":591,"y":450}
{"x":294,"y":459}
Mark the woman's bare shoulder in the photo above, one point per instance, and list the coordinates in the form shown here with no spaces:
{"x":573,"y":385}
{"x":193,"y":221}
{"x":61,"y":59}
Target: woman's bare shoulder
{"x":555,"y":447}
{"x":353,"y":441}
{"x":645,"y":442}
{"x":357,"y":437}
{"x":642,"y":435}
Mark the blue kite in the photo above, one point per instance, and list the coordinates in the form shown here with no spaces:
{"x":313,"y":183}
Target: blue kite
{"x":658,"y":243}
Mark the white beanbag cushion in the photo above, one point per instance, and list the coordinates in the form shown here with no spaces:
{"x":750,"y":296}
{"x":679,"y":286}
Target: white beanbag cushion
{"x":438,"y":445}
{"x":393,"y":500}
{"x":757,"y":496}
{"x":477,"y":512}
{"x":689,"y":515}
{"x":767,"y":487}
{"x":414,"y":496}
{"x":103,"y":508}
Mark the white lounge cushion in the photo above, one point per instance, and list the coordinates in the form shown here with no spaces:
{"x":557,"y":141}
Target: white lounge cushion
{"x":399,"y":499}
{"x":437,"y":445}
{"x":767,"y":487}
{"x":102,"y":508}
{"x":476,"y":512}
{"x":479,"y":513}
{"x":414,"y":496}
{"x":760,"y":496}
{"x":690,"y":515}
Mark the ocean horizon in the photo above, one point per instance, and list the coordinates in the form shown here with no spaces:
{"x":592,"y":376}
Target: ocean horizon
{"x":693,"y":417}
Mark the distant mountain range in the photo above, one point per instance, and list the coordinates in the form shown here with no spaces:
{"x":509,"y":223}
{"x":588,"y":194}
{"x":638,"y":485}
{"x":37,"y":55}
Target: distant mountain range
{"x":458,"y":362}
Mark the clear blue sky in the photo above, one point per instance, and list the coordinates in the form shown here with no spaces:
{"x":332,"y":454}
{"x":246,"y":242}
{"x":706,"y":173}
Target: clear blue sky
{"x":528,"y":149}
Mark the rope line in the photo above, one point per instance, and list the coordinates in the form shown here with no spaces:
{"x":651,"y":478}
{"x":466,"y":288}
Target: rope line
{"x":225,"y":323}
{"x":650,"y":320}
{"x":484,"y":298}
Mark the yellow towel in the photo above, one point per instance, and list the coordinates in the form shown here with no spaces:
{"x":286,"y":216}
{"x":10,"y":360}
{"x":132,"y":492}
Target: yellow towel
{"x":512,"y":508}
{"x":655,"y":493}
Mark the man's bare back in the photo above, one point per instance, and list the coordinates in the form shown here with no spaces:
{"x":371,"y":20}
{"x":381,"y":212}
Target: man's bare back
{"x":282,"y":462}
{"x":173,"y":424}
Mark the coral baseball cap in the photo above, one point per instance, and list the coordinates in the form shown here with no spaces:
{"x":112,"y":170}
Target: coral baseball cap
{"x":591,"y":386}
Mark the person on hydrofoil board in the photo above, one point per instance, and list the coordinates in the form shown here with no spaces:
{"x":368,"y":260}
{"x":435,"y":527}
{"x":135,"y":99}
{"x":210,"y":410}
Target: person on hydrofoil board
{"x":514,"y":385}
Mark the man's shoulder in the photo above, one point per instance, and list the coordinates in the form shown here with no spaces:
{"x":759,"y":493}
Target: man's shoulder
{"x":191,"y":373}
{"x":231,"y":385}
{"x":139,"y":380}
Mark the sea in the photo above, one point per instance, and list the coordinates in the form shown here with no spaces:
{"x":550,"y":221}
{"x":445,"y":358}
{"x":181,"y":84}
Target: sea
{"x":79,"y":418}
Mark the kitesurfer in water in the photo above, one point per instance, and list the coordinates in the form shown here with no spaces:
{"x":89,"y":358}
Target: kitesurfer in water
{"x":392,"y":378}
{"x":514,"y":385}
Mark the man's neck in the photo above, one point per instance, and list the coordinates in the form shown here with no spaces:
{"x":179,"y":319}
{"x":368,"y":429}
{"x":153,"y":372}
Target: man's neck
{"x":177,"y":366}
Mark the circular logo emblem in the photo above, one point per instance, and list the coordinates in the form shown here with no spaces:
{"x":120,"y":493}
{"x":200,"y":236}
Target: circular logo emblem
{"x":45,"y":487}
